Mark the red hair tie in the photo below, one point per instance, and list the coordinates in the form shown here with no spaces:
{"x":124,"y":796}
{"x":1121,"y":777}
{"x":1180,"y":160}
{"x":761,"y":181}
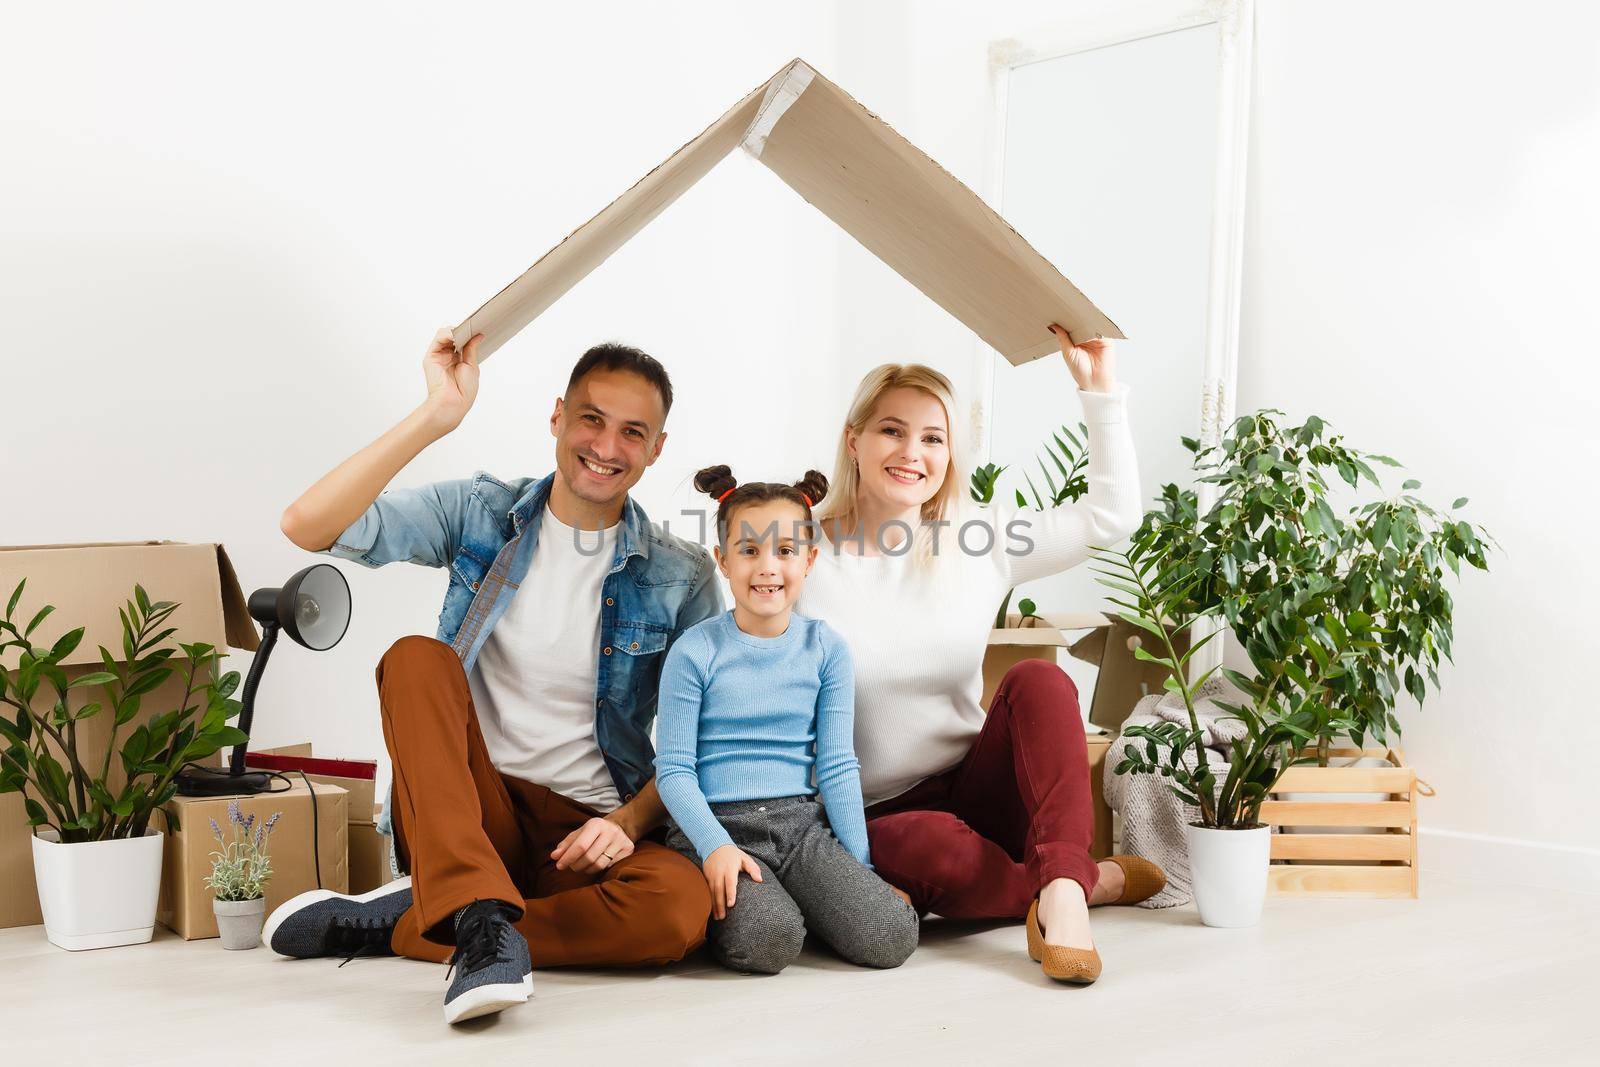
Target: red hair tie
{"x":807,"y":500}
{"x":724,"y":496}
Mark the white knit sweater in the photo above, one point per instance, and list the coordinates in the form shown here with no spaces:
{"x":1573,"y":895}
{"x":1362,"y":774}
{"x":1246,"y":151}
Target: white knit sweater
{"x":917,"y":631}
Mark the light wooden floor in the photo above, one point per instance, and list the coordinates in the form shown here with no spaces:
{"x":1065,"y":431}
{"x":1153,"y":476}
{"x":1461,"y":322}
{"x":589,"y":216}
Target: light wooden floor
{"x":1469,"y":974}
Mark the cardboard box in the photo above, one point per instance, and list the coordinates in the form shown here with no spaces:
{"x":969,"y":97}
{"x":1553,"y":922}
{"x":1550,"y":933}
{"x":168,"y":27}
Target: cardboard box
{"x":369,"y":858}
{"x":1017,"y":642}
{"x":87,"y":584}
{"x":368,"y":849}
{"x":356,"y":777}
{"x":298,"y":851}
{"x":1124,"y":679}
{"x":874,"y":184}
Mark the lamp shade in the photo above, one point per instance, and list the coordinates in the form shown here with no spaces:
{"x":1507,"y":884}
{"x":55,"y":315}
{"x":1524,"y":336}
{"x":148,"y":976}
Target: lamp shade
{"x":313,"y":607}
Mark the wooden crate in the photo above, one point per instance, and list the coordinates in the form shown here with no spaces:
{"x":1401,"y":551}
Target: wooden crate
{"x":1371,"y":864}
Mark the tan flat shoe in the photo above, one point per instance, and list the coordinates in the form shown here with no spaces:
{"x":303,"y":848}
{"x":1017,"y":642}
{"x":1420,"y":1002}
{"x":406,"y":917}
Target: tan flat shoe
{"x":1079,"y":966}
{"x":1141,"y":879}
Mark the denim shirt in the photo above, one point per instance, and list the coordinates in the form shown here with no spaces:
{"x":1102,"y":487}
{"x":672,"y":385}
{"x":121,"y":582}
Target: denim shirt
{"x":486,"y":532}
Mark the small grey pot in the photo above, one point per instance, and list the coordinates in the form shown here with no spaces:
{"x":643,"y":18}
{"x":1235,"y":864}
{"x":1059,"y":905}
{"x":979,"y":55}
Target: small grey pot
{"x":239,"y":921}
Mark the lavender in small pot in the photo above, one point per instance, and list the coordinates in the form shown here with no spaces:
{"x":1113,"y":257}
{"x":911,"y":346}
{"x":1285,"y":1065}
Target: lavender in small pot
{"x":238,"y":880}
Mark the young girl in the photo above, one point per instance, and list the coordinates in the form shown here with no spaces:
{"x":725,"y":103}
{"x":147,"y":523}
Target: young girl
{"x":755,"y":759}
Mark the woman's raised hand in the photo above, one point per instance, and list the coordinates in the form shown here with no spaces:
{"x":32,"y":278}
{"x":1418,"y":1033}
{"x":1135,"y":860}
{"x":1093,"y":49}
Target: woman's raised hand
{"x":722,"y":870}
{"x":1093,"y":364}
{"x":452,"y":377}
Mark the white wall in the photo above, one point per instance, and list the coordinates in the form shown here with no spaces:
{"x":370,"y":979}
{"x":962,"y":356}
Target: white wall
{"x":226,"y":241}
{"x":1419,"y":269}
{"x":229,"y":234}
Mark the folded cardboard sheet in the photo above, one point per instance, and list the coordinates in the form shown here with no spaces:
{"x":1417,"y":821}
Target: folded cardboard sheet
{"x":874,"y":184}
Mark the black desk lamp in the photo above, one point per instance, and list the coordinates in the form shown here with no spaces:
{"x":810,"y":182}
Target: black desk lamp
{"x":313,"y":608}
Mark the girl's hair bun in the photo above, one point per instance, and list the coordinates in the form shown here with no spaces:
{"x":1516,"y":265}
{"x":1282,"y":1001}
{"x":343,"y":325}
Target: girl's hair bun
{"x":814,"y":485}
{"x":714,"y":481}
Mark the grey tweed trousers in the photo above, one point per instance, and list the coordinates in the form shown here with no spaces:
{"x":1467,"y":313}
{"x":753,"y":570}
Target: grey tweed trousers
{"x":809,"y":881}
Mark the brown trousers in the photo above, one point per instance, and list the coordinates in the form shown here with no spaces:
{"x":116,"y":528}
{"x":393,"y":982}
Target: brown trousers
{"x":470,"y":833}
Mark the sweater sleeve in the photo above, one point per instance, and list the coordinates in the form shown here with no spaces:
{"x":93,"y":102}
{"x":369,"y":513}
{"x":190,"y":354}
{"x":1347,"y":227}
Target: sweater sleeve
{"x":682,"y":695}
{"x":1034,"y":544}
{"x":838,"y":770}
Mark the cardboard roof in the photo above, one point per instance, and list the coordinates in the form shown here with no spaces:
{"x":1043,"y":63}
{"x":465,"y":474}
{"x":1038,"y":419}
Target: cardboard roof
{"x":874,"y":184}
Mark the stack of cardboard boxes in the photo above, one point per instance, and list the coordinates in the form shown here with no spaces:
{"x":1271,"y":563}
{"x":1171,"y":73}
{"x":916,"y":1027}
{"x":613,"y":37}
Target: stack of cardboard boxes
{"x":86,"y":584}
{"x":368,"y":850}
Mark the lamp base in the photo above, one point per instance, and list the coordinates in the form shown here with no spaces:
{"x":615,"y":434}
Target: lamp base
{"x":219,"y":782}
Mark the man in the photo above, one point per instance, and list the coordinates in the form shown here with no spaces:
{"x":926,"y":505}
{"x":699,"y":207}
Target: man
{"x":520,"y":738}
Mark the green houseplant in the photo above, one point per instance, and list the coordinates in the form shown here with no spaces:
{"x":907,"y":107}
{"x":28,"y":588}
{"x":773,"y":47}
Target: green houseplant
{"x":1307,"y":588}
{"x":1229,"y":847}
{"x":87,"y":805}
{"x":1334,"y":612}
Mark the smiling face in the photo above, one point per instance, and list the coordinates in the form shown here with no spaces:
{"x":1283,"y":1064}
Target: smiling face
{"x":903,"y":451}
{"x":765,"y":557}
{"x":607,"y":430}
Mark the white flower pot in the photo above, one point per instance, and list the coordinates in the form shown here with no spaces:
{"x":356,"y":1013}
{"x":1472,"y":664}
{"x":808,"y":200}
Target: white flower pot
{"x":239,"y":921}
{"x":97,"y":894}
{"x":1229,"y":872}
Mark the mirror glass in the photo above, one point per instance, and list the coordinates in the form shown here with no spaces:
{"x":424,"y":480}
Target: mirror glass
{"x":1108,"y":170}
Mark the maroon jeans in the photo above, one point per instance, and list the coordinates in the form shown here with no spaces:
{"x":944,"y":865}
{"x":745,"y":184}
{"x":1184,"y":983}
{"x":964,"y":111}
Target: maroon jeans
{"x":980,"y":840}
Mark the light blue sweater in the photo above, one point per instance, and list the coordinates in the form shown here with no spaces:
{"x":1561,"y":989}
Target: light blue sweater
{"x":748,"y":718}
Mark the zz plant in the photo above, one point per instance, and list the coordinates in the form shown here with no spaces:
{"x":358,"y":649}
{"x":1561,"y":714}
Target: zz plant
{"x":64,"y":787}
{"x":1156,"y":592}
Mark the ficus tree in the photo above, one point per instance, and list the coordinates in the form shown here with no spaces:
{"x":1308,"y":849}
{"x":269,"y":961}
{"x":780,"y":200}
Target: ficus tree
{"x":1348,"y":604}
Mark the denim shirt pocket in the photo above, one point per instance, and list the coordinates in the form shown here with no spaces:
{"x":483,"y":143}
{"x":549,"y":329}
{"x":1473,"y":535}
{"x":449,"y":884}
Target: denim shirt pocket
{"x":639,"y":640}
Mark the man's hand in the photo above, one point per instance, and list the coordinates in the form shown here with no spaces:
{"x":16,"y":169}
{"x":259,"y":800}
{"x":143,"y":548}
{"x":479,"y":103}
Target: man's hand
{"x":722,"y":870}
{"x":592,"y":847}
{"x":452,"y":378}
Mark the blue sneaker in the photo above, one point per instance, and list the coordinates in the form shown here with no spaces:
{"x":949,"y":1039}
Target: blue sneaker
{"x":325,"y":923}
{"x":491,"y":967}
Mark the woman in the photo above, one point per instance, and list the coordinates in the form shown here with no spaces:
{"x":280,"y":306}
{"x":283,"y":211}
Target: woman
{"x":972,"y":815}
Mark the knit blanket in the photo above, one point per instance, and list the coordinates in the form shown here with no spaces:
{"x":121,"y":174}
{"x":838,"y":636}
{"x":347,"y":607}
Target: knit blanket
{"x":1153,"y":817}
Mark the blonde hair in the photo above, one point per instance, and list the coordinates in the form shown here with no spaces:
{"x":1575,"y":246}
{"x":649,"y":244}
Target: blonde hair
{"x":839,"y":506}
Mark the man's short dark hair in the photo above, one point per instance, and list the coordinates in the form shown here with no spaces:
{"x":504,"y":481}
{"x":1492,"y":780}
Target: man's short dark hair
{"x":612,"y":356}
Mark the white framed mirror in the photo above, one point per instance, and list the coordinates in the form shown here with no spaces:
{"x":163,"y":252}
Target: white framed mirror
{"x":1117,"y":148}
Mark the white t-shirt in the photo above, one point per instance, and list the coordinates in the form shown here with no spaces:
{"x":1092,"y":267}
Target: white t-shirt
{"x":534,"y":680}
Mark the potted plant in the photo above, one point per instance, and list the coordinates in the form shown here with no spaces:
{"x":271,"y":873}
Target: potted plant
{"x":97,"y":859}
{"x":1229,"y":845}
{"x":1335,"y":614}
{"x":240,"y":869}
